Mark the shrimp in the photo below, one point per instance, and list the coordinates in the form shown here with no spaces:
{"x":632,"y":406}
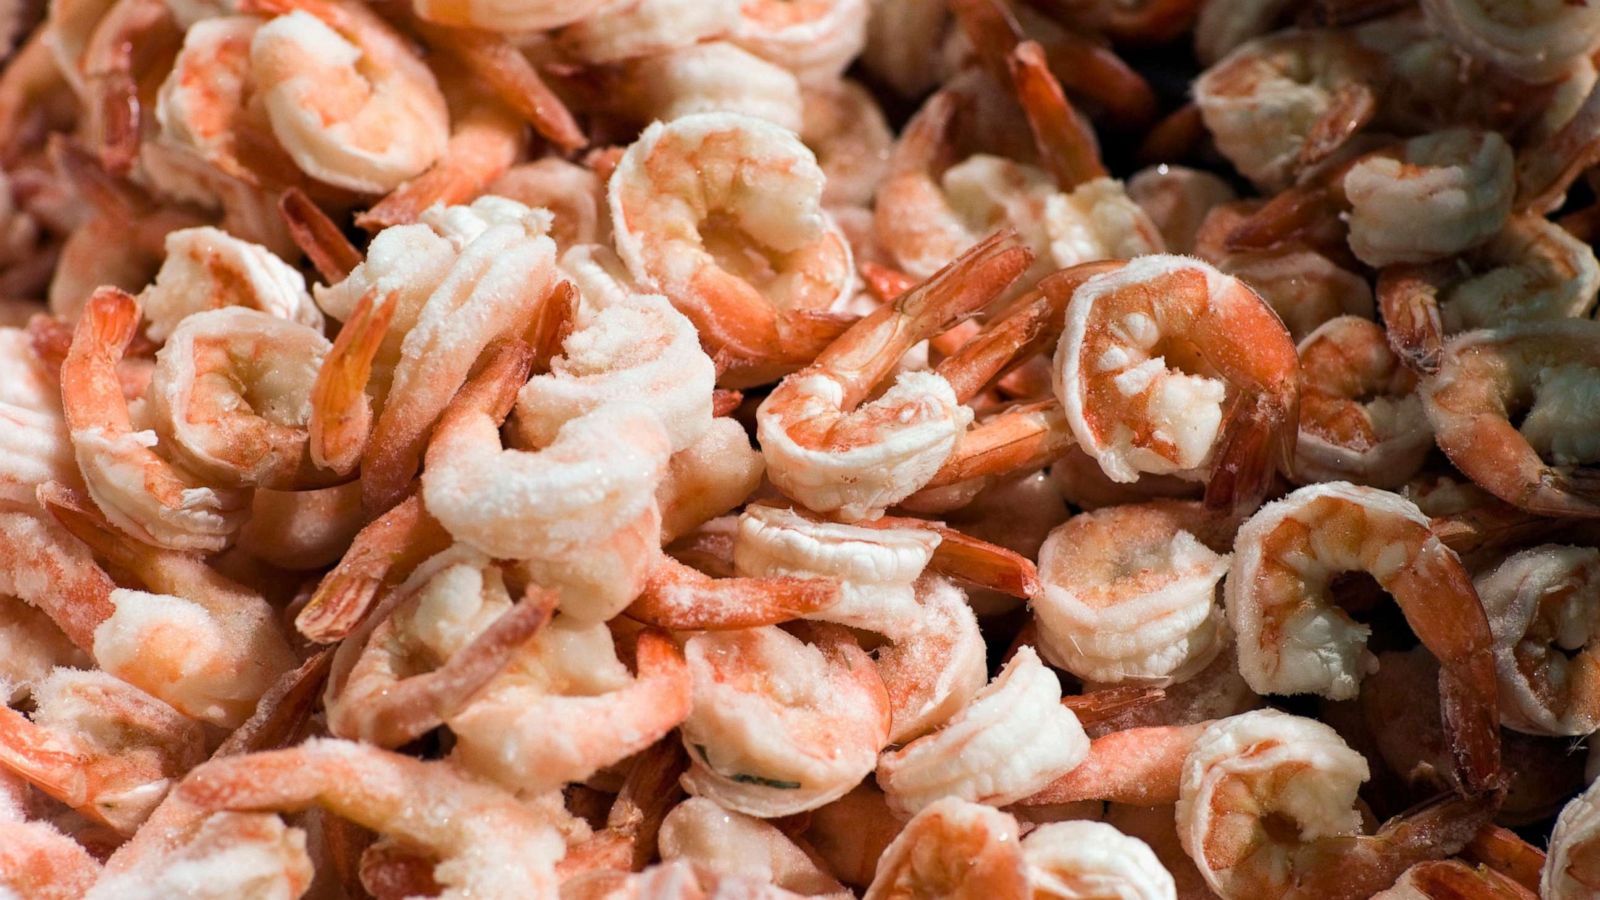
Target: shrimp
{"x":845,"y":128}
{"x":1542,"y":369}
{"x":1014,"y":738}
{"x":347,"y":98}
{"x":1280,"y":103}
{"x":509,"y":17}
{"x":1129,"y":593}
{"x":731,"y":843}
{"x":36,"y":859}
{"x":485,"y":842}
{"x":443,"y":635}
{"x":634,"y":28}
{"x":34,"y":448}
{"x":1572,"y":869}
{"x":780,"y":723}
{"x":1446,"y":192}
{"x":1093,"y":859}
{"x":694,"y":215}
{"x":1360,"y":417}
{"x":30,"y":647}
{"x":816,"y":39}
{"x":231,"y":394}
{"x":208,"y":269}
{"x":99,"y":745}
{"x":934,"y":670}
{"x":709,"y":77}
{"x":1541,"y":604}
{"x":225,"y":854}
{"x":710,"y":477}
{"x":1293,"y":638}
{"x":831,"y":451}
{"x":1140,"y":398}
{"x":1448,"y":878}
{"x":1177,"y":198}
{"x":566,"y":707}
{"x":302,"y":531}
{"x":1304,"y":287}
{"x":574,"y":194}
{"x":140,"y":492}
{"x":1531,"y":270}
{"x":953,"y":848}
{"x":1534,"y":42}
{"x":1246,"y":769}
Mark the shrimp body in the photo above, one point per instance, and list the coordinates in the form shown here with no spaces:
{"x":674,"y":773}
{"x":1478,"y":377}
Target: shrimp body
{"x":933,"y":671}
{"x":843,"y":125}
{"x":722,"y":213}
{"x":815,"y":39}
{"x":207,"y":268}
{"x":1293,"y":638}
{"x":637,"y":28}
{"x":1542,"y":604}
{"x":732,"y":843}
{"x":1014,"y":738}
{"x":1123,"y":369}
{"x":1129,"y":593}
{"x":1177,"y":199}
{"x":953,"y":848}
{"x":1082,"y":860}
{"x":348,"y":100}
{"x":780,"y":725}
{"x":1572,"y":866}
{"x":1381,"y":441}
{"x":1534,"y":41}
{"x":232,"y":395}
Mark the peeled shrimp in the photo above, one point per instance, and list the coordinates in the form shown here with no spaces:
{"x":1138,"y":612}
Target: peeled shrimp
{"x":36,"y":859}
{"x":1082,"y":860}
{"x":633,"y":28}
{"x":1535,"y":42}
{"x":1293,"y":638}
{"x":30,"y":647}
{"x":1177,"y":198}
{"x":816,"y":40}
{"x":781,"y":724}
{"x":1542,"y":606}
{"x":206,"y":269}
{"x":1130,"y":593}
{"x":953,"y":848}
{"x":348,"y":99}
{"x":696,"y":213}
{"x":844,"y":127}
{"x":1572,"y":869}
{"x":732,"y":843}
{"x":1014,"y":738}
{"x":1360,"y":417}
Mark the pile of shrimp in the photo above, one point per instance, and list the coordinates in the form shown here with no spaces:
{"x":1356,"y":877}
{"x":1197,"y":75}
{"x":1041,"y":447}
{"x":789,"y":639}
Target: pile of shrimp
{"x":799,"y":448}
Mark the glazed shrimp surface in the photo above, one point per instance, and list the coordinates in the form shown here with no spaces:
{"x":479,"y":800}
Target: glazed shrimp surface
{"x":1541,"y":604}
{"x":1169,"y":366}
{"x":1130,"y":594}
{"x":1293,"y":638}
{"x":350,"y":102}
{"x":1360,"y":417}
{"x":696,"y":213}
{"x":732,"y":843}
{"x":781,"y":724}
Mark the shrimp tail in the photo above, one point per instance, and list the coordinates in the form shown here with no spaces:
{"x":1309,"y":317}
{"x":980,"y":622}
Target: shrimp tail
{"x":1546,"y":169}
{"x":679,"y":598}
{"x":317,"y":236}
{"x":986,"y":565}
{"x":1024,"y":437}
{"x":1295,"y":212}
{"x":386,"y":551}
{"x":1565,"y":491}
{"x":109,"y":322}
{"x":1099,"y":706}
{"x":1255,"y":435}
{"x":1066,"y":145}
{"x":1502,"y":851}
{"x":341,"y":414}
{"x":1350,"y":109}
{"x":1408,"y":296}
{"x":1436,"y":829}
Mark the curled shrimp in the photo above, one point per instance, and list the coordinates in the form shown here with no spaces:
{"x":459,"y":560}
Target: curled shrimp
{"x":1533,"y":42}
{"x":1177,"y":198}
{"x":1280,"y":103}
{"x":231,"y":393}
{"x":709,"y":77}
{"x":708,"y":478}
{"x":1531,"y":270}
{"x":1130,"y":593}
{"x":484,"y":841}
{"x":1093,"y":859}
{"x":36,"y":858}
{"x":348,"y":99}
{"x":1360,"y":417}
{"x":1304,"y":287}
{"x":1541,"y":604}
{"x":781,"y":724}
{"x":574,"y":194}
{"x":732,"y":843}
{"x":843,"y":126}
{"x":816,"y":40}
{"x":636,"y":28}
{"x":225,"y":854}
{"x":138,"y":490}
{"x":953,"y":848}
{"x":1014,"y":738}
{"x":1245,"y":769}
{"x":832,"y":451}
{"x":695,"y":214}
{"x":1167,"y":365}
{"x":1537,"y":368}
{"x":206,"y":268}
{"x":1572,"y":868}
{"x":100,"y":745}
{"x":1293,"y":638}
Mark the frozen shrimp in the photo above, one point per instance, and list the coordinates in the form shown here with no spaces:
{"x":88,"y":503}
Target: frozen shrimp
{"x":816,"y":40}
{"x":36,"y":859}
{"x":1177,"y":198}
{"x":733,"y":843}
{"x":566,"y":707}
{"x":30,"y":647}
{"x":1141,"y":398}
{"x":1093,"y":859}
{"x":140,"y":492}
{"x":982,"y":753}
{"x":302,"y":531}
{"x":934,"y":669}
{"x":1248,"y":768}
{"x":1452,"y":878}
{"x":832,"y":451}
{"x":1541,"y":604}
{"x":1360,"y":417}
{"x":206,"y":268}
{"x":1485,"y":378}
{"x":781,"y":723}
{"x":1282,"y":102}
{"x":708,"y":478}
{"x":953,"y":848}
{"x":1304,"y":287}
{"x":34,"y":448}
{"x":1535,"y":43}
{"x":484,"y":842}
{"x":844,"y":127}
{"x":231,"y":395}
{"x":694,"y":214}
{"x":1130,"y":593}
{"x":348,"y":99}
{"x":225,"y":854}
{"x":1141,"y":765}
{"x":1531,"y":270}
{"x":574,"y":194}
{"x":1571,"y":869}
{"x":1293,"y":638}
{"x":100,"y":745}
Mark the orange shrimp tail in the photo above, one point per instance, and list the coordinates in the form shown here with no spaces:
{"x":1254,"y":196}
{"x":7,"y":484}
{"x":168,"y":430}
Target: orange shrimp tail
{"x":513,"y":79}
{"x":1103,"y":705}
{"x":1256,"y":436}
{"x":679,"y":598}
{"x":1066,"y":145}
{"x":384,"y":552}
{"x":341,"y":415}
{"x":389,"y":870}
{"x":318,"y":237}
{"x":1024,"y":437}
{"x":553,"y":325}
{"x":1503,"y":852}
{"x":1546,"y":169}
{"x":1408,"y":297}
